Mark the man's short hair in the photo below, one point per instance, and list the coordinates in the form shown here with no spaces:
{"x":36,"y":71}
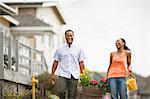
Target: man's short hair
{"x":69,"y":31}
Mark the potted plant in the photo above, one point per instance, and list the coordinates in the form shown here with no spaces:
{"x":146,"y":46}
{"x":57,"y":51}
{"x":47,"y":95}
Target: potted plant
{"x":91,"y":86}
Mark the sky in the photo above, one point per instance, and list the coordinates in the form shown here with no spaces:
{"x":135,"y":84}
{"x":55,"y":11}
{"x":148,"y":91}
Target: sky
{"x":99,"y":23}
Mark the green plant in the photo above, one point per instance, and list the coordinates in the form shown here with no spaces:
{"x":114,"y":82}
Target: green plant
{"x":46,"y":85}
{"x":85,"y":78}
{"x":44,"y":80}
{"x":16,"y":95}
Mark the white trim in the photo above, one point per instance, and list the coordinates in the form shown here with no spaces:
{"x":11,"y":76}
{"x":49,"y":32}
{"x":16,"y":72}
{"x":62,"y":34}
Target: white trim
{"x":11,"y":19}
{"x":55,"y":4}
{"x":33,"y":30}
{"x":8,"y":9}
{"x":24,"y":1}
{"x":49,"y":4}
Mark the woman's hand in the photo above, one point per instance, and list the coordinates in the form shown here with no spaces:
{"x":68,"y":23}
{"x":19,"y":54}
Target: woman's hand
{"x":129,"y":70}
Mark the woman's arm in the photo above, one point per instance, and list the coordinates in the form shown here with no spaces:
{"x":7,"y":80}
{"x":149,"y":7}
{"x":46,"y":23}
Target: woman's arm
{"x":129,"y":61}
{"x":109,"y":64}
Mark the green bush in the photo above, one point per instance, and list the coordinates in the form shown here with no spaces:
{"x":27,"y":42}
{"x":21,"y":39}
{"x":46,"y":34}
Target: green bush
{"x":22,"y":95}
{"x":44,"y":81}
{"x":44,"y":85}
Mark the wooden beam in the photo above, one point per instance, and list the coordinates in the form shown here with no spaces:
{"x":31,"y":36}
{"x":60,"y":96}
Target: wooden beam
{"x":17,"y":56}
{"x":9,"y":52}
{"x":1,"y":54}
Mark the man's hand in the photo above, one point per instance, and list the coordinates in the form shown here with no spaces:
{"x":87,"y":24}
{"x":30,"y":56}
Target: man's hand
{"x":81,"y":67}
{"x":52,"y":78}
{"x":54,"y":67}
{"x":82,"y":71}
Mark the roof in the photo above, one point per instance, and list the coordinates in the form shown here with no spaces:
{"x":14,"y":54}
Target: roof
{"x":30,"y":25}
{"x":7,"y":12}
{"x":35,"y":3}
{"x":29,"y":20}
{"x":10,"y":19}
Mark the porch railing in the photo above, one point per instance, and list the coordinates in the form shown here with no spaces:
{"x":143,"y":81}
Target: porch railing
{"x":19,"y":59}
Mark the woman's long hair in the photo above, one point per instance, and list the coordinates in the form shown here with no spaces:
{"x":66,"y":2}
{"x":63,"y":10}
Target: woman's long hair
{"x":125,"y":46}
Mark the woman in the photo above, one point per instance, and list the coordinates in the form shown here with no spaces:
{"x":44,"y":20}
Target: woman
{"x":119,"y":69}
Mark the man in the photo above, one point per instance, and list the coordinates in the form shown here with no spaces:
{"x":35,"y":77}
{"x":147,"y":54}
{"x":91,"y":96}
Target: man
{"x":69,"y":60}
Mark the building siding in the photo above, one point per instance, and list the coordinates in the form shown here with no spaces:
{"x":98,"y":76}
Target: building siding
{"x":4,"y":22}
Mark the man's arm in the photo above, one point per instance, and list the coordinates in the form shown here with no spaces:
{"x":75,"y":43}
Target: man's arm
{"x":54,"y":67}
{"x":81,"y":63}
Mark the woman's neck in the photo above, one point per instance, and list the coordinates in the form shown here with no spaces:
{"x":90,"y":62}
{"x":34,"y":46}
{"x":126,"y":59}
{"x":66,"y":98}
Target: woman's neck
{"x":120,"y":50}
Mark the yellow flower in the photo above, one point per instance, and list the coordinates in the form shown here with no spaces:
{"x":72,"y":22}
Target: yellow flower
{"x":87,"y":70}
{"x":86,"y":77}
{"x":81,"y":74}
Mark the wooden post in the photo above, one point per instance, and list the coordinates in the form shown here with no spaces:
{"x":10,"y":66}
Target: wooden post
{"x":42,"y":59}
{"x":44,"y":89}
{"x":17,"y":55}
{"x":1,"y":55}
{"x":30,"y":60}
{"x":1,"y":62}
{"x":9,"y":52}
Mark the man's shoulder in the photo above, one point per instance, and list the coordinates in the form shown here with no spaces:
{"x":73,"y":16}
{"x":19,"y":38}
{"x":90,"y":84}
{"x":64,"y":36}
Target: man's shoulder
{"x":74,"y":44}
{"x":77,"y":47}
{"x":61,"y":46}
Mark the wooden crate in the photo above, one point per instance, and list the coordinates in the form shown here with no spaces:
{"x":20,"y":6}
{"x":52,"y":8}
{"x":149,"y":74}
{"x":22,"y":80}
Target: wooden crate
{"x":89,"y":93}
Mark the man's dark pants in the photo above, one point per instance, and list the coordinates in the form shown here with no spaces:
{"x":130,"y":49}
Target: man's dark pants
{"x":67,"y":85}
